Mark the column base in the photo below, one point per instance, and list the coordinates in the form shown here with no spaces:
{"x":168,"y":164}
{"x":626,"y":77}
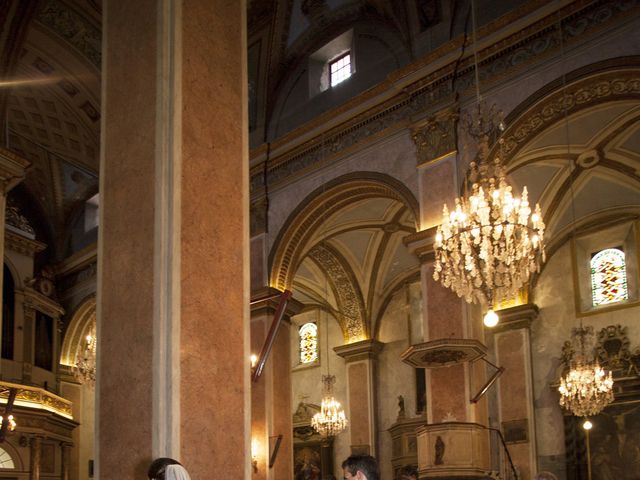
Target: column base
{"x":453,"y":450}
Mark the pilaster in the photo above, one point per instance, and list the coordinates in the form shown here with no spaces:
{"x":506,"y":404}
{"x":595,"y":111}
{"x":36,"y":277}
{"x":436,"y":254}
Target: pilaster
{"x":361,"y":358}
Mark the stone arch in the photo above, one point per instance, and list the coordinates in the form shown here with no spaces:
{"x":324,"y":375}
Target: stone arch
{"x":611,"y":80}
{"x":585,"y":91}
{"x":17,"y":281}
{"x":80,"y":325}
{"x":308,"y":216}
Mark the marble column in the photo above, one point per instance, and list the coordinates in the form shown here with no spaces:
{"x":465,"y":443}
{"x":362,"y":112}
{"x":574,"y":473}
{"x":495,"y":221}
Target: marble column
{"x":36,"y":457}
{"x":173,"y":271}
{"x":361,"y":393}
{"x":12,"y":172}
{"x":515,"y":410}
{"x":272,"y":414}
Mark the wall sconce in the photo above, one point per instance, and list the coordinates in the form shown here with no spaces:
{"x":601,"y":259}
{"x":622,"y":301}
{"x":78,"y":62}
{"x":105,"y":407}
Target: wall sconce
{"x":254,"y":360}
{"x":254,"y":455}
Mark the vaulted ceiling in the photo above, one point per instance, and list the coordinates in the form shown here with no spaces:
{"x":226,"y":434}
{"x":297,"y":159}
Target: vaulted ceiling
{"x":51,"y":96}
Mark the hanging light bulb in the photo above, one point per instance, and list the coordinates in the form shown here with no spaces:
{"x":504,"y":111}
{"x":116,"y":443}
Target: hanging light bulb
{"x":491,"y":319}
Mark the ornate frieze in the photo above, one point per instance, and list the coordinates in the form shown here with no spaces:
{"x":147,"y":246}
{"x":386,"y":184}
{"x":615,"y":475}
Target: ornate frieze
{"x":501,"y":59}
{"x":18,"y":243}
{"x":436,"y":136}
{"x":350,"y":304}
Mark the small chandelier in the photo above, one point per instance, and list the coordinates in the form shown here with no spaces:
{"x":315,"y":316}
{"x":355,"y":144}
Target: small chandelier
{"x":331,"y":419}
{"x":487,"y":247}
{"x":11,"y":422}
{"x":85,"y":368}
{"x":587,"y":388}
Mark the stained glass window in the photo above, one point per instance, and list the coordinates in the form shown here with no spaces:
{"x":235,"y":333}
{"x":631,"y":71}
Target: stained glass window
{"x":308,"y":342}
{"x":608,"y":277}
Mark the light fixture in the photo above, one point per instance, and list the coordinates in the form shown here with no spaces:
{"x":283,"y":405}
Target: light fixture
{"x":11,"y":423}
{"x":489,"y":244}
{"x":587,"y":388}
{"x":254,"y":455}
{"x":330,"y":420}
{"x":587,"y":425}
{"x":254,"y":360}
{"x":85,"y":368}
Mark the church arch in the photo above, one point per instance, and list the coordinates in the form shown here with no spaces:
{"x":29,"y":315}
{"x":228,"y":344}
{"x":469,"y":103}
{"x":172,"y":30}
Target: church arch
{"x":306,"y":219}
{"x":82,"y":321}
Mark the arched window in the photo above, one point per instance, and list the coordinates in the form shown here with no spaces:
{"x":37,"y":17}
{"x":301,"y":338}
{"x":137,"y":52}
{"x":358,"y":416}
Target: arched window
{"x":308,"y":335}
{"x":5,"y":459}
{"x":608,"y":277}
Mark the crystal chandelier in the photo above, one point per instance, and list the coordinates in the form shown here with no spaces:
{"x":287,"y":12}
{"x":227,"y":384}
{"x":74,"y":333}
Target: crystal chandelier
{"x":587,"y":388}
{"x":330,"y":420}
{"x":491,"y":242}
{"x":85,"y":368}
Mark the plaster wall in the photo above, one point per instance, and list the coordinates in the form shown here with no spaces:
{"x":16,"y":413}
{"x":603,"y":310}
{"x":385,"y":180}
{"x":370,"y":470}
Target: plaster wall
{"x":306,"y":382}
{"x":393,"y":156}
{"x":554,"y":295}
{"x":395,"y":377}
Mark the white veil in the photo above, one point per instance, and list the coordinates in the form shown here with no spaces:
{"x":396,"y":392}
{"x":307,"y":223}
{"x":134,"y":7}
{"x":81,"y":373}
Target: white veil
{"x":176,"y":472}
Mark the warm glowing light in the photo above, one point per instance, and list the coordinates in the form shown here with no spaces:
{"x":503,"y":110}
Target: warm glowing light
{"x":587,"y":425}
{"x":490,"y":242}
{"x":254,"y":360}
{"x":491,"y":319}
{"x":11,"y":423}
{"x":331,"y":419}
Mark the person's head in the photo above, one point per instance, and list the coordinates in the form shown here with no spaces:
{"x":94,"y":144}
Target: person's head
{"x":361,"y":467}
{"x":409,"y":472}
{"x":159,"y":466}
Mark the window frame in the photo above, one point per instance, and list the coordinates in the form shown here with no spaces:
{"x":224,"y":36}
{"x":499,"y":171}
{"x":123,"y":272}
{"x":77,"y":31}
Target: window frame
{"x":336,"y":60}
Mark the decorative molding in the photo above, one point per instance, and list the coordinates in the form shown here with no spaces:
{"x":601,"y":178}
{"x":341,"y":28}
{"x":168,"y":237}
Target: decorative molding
{"x":506,"y":57}
{"x":436,"y":136}
{"x":351,"y":313}
{"x":515,"y":318}
{"x":620,"y":84}
{"x":13,"y":169}
{"x":363,"y":350}
{"x":18,"y":243}
{"x":443,"y":352}
{"x":266,"y":301}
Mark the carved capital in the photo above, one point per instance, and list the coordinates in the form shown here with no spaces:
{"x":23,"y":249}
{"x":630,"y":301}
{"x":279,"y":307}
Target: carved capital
{"x":436,"y":136}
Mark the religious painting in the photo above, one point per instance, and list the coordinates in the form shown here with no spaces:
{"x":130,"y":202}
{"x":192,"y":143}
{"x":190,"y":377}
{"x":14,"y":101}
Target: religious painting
{"x":613,"y":448}
{"x":307,"y":463}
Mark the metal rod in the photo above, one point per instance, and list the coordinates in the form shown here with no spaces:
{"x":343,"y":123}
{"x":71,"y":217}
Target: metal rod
{"x":271,"y":336}
{"x":588,"y":457}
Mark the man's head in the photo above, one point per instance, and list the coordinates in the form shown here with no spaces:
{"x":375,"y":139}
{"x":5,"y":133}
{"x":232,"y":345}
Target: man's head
{"x":361,"y":467}
{"x":159,"y":466}
{"x":409,"y":472}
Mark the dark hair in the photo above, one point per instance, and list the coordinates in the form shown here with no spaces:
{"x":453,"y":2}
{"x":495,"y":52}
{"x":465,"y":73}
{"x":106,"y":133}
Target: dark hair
{"x":365,"y":463}
{"x":409,"y":471}
{"x":158,"y":467}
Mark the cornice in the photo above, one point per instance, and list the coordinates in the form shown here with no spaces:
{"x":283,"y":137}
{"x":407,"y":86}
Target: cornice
{"x":362,"y":350}
{"x":424,"y":87}
{"x":77,"y":261}
{"x":12,"y":169}
{"x":265,"y":301}
{"x":17,"y":243}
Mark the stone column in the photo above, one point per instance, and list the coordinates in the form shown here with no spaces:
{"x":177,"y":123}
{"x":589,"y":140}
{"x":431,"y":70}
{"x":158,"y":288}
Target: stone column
{"x":36,"y":456}
{"x":65,"y":451}
{"x":271,"y":395}
{"x":515,"y":416}
{"x":173,"y":272}
{"x":12,"y":172}
{"x":454,"y":442}
{"x":361,"y":393}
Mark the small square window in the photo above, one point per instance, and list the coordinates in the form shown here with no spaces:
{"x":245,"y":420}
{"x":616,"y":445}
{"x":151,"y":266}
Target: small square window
{"x":340,"y":69}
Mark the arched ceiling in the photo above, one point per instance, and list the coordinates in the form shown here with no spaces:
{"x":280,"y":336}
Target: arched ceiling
{"x":367,"y":262}
{"x":603,"y":142}
{"x":52,"y":95}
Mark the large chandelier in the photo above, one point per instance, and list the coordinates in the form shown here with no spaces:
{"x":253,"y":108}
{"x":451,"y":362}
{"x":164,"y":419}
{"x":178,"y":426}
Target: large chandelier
{"x":330,"y":420}
{"x":85,"y":368}
{"x":490,"y":243}
{"x":587,"y":388}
